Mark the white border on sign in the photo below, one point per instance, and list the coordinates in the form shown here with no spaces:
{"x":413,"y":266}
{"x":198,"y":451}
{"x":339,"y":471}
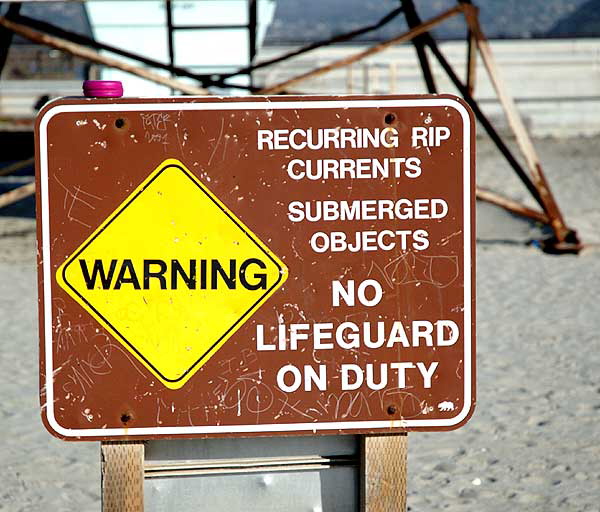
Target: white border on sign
{"x":264,"y":428}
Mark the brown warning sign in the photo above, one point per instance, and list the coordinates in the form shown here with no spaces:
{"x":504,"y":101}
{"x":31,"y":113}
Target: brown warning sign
{"x":247,"y":266}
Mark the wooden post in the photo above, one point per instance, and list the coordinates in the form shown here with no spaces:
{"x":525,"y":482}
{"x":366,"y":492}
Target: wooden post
{"x":383,"y":473}
{"x":122,"y":476}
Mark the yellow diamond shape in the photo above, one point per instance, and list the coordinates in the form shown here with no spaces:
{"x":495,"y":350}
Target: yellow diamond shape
{"x":172,"y":273}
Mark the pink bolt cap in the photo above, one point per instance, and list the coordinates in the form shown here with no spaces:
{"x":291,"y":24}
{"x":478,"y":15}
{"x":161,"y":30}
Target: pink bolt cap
{"x":102,"y":89}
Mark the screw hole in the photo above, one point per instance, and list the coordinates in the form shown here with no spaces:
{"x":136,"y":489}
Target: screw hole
{"x":125,"y":418}
{"x":391,"y":410}
{"x":119,"y":123}
{"x":389,"y":118}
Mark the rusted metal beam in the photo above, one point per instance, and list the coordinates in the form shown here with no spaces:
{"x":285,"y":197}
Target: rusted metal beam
{"x":252,"y":22}
{"x":319,"y":44}
{"x":93,"y":56}
{"x":17,"y":166}
{"x":340,"y":63}
{"x":74,"y":37}
{"x":471,"y":56}
{"x":485,"y":122}
{"x":17,"y":194}
{"x":471,"y":62}
{"x":471,"y":47}
{"x":511,"y":205}
{"x":518,"y":127}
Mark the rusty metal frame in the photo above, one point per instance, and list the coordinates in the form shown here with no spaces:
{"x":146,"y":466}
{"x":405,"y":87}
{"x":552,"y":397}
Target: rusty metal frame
{"x":547,"y":200}
{"x":83,"y":40}
{"x":214,"y":79}
{"x":347,"y":36}
{"x":564,"y":238}
{"x":205,"y":80}
{"x":91,"y":55}
{"x":283,"y":87}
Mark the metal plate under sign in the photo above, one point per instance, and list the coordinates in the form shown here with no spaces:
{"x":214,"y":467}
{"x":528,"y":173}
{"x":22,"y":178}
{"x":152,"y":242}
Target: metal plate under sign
{"x":238,"y":267}
{"x":277,"y":473}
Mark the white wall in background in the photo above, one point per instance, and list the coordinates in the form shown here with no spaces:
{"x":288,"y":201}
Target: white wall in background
{"x":141,"y":27}
{"x":556,"y":83}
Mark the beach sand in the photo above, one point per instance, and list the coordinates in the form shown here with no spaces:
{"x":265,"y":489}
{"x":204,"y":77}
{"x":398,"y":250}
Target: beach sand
{"x":534,"y":441}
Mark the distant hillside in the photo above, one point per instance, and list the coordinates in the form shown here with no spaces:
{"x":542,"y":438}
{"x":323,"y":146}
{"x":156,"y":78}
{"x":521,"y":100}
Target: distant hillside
{"x":311,"y":20}
{"x":585,"y":22}
{"x":299,"y":21}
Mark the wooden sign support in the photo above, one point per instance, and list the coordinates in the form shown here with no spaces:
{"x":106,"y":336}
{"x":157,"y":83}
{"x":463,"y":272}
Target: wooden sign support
{"x":383,"y":472}
{"x":122,"y":476}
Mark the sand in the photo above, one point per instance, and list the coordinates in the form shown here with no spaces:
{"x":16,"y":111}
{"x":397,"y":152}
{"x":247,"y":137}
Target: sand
{"x":534,"y":441}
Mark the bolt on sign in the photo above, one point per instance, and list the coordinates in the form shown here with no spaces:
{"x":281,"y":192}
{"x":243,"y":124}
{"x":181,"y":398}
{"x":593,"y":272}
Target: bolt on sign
{"x":256,"y":266}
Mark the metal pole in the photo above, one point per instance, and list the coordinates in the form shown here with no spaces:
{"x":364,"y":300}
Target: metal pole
{"x":510,"y":205}
{"x":489,"y":128}
{"x":471,"y":61}
{"x":169,"y":10}
{"x":252,"y":21}
{"x":17,"y":194}
{"x":412,"y":19}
